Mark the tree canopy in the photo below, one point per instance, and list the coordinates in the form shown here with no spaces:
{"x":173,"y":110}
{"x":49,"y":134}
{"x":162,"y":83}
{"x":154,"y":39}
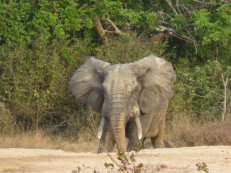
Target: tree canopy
{"x":42,"y":43}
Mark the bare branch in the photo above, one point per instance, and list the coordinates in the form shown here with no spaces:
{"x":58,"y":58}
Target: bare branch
{"x":100,"y":30}
{"x":163,"y":22}
{"x":200,"y":2}
{"x":109,"y":32}
{"x":177,"y":6}
{"x":193,"y":41}
{"x":217,"y":94}
{"x":117,"y":30}
{"x":186,"y":9}
{"x":115,"y":161}
{"x":225,"y":1}
{"x":161,"y":13}
{"x":182,"y":37}
{"x":225,"y":83}
{"x":171,"y":6}
{"x":164,"y":34}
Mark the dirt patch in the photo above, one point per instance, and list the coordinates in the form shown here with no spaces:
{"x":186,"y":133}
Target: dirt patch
{"x":187,"y":160}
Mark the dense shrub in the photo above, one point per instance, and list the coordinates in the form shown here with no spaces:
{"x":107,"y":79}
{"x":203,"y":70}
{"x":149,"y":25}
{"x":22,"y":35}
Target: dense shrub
{"x":43,"y":42}
{"x":34,"y":84}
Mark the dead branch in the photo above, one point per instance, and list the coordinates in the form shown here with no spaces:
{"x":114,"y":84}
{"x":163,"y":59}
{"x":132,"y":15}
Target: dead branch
{"x":202,"y":3}
{"x":182,"y":37}
{"x":161,"y":14}
{"x":103,"y":32}
{"x":163,"y":22}
{"x":225,"y":83}
{"x":115,"y":161}
{"x":216,"y":93}
{"x":59,"y":125}
{"x":225,"y":1}
{"x":100,"y":30}
{"x":178,"y":7}
{"x":193,"y":41}
{"x":164,"y":34}
{"x":182,"y":6}
{"x":117,"y":31}
{"x":171,"y":32}
{"x":171,"y":6}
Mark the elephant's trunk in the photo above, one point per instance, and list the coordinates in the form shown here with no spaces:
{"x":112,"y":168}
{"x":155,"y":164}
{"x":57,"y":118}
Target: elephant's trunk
{"x":118,"y":127}
{"x":119,"y":114}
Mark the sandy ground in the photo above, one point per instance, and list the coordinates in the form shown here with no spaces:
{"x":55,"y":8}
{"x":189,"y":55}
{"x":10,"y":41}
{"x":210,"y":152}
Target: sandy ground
{"x":178,"y":160}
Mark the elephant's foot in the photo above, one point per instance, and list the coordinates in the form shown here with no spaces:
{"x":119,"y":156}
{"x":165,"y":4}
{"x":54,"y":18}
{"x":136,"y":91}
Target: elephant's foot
{"x":110,"y":145}
{"x":107,"y":147}
{"x":136,"y":147}
{"x":157,"y":143}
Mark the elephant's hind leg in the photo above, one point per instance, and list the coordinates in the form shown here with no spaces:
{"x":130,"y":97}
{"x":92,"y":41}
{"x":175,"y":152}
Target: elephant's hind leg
{"x":158,"y":140}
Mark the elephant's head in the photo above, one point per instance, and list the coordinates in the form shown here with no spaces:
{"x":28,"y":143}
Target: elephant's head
{"x":121,"y":92}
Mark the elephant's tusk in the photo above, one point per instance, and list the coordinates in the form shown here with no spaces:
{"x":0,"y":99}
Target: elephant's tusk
{"x":139,"y":128}
{"x":100,"y":129}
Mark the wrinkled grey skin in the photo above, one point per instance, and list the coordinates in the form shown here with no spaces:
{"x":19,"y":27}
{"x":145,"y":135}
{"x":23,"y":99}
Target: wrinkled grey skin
{"x":126,"y":95}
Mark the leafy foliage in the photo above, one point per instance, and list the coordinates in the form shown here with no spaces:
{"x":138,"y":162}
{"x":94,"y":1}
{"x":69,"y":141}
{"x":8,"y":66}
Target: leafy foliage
{"x":202,"y":167}
{"x":127,"y":163}
{"x":43,"y":42}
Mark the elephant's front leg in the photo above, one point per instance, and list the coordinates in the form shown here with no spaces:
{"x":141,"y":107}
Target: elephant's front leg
{"x":134,"y":142}
{"x":107,"y":141}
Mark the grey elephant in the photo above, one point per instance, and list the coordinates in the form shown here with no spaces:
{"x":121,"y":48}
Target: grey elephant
{"x":132,"y":99}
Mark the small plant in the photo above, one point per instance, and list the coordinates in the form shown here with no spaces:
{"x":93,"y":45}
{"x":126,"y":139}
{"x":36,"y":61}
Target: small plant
{"x":140,"y":147}
{"x":127,"y":163}
{"x":202,"y":167}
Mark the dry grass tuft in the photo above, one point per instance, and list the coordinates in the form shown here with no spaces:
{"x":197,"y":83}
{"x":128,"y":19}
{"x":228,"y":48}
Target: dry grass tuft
{"x":36,"y":139}
{"x":181,"y":132}
{"x":185,"y":132}
{"x":86,"y":142}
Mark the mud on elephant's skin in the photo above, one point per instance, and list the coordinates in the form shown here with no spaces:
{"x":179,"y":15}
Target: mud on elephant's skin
{"x":132,"y":99}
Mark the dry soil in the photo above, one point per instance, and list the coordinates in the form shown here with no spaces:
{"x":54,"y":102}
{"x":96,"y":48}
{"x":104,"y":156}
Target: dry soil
{"x":217,"y":159}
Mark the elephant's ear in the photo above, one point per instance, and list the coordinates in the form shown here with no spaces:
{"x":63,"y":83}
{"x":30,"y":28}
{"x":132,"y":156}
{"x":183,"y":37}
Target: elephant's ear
{"x":86,"y":83}
{"x":156,"y":76}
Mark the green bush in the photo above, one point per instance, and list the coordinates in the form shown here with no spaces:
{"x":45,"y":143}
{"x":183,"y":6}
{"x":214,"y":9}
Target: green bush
{"x":6,"y":120}
{"x":43,"y":42}
{"x":34,"y":84}
{"x":127,"y":49}
{"x":199,"y":91}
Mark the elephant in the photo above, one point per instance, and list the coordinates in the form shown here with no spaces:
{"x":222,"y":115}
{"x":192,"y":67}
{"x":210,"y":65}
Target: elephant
{"x":132,"y":99}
